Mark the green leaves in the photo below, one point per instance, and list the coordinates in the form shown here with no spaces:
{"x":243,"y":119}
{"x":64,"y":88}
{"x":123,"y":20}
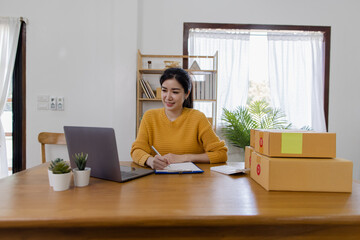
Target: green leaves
{"x":54,"y":162}
{"x":80,"y":160}
{"x":61,"y":167}
{"x":238,"y":128}
{"x":259,"y":115}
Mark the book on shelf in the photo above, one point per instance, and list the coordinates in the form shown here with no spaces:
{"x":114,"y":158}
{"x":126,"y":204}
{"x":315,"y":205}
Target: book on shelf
{"x":204,"y":88}
{"x":194,"y":88}
{"x":145,"y":85}
{"x":152,"y":94}
{"x":143,"y":88}
{"x":197,"y":93}
{"x":207,"y":87}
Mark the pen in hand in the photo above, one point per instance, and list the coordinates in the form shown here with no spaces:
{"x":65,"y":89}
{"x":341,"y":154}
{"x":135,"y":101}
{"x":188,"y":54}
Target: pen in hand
{"x":155,"y":150}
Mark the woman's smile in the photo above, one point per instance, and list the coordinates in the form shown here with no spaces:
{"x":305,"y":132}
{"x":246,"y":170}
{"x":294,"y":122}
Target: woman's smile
{"x":173,"y":96}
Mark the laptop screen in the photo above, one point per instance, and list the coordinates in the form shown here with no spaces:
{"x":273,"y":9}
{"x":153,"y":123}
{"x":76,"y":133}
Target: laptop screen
{"x":100,"y":145}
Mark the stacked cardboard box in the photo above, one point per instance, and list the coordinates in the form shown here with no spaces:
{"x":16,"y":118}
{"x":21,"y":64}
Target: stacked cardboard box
{"x":249,"y":149}
{"x":287,"y":160}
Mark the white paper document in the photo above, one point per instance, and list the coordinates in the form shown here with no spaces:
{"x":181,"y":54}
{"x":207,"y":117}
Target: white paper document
{"x":187,"y":167}
{"x":230,"y":169}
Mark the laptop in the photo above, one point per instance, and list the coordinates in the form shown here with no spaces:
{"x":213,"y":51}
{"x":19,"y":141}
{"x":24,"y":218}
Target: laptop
{"x":100,"y":145}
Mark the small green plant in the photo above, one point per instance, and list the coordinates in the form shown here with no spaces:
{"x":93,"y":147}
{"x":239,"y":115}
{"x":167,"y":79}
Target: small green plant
{"x":54,"y":162}
{"x":259,"y":115}
{"x":80,"y":160}
{"x":61,"y":167}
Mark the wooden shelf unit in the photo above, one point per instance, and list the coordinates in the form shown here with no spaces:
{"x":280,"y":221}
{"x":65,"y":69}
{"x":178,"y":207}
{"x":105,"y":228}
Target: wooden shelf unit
{"x":143,"y":72}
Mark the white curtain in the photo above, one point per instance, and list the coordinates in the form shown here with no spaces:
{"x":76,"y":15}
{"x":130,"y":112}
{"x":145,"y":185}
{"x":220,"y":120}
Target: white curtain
{"x":9,"y":36}
{"x":233,"y":64}
{"x":296,"y":77}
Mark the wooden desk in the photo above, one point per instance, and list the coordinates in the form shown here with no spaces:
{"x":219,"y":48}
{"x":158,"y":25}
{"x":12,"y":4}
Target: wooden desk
{"x":201,"y":206}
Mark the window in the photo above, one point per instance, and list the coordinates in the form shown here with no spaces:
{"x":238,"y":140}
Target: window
{"x":276,"y":61}
{"x":13,"y":116}
{"x":19,"y":104}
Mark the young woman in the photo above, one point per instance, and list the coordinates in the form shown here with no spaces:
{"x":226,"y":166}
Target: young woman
{"x":177,"y":131}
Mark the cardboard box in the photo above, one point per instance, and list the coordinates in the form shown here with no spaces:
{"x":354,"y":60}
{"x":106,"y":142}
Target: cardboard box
{"x":248,"y":152}
{"x":252,"y":138}
{"x":302,"y":174}
{"x":290,"y":143}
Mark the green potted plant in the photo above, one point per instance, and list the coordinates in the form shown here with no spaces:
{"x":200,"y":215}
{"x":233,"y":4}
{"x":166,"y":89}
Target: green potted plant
{"x":258,"y":115}
{"x":61,"y":176}
{"x":81,"y":173}
{"x":50,"y":173}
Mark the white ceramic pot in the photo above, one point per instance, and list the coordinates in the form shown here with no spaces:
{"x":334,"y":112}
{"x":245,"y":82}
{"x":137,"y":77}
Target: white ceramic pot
{"x":81,"y":178}
{"x":50,"y":174}
{"x":61,"y":182}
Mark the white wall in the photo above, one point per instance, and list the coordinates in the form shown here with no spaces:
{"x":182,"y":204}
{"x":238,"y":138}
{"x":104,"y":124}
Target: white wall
{"x":85,"y":50}
{"x":161,"y":29}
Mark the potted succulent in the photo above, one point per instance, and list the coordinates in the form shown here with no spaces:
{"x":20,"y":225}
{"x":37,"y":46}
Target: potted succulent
{"x":61,"y":176}
{"x":81,"y":173}
{"x":50,"y":173}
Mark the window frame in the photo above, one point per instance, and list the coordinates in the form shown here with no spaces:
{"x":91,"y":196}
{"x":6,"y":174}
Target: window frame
{"x":19,"y":104}
{"x":326,"y":30}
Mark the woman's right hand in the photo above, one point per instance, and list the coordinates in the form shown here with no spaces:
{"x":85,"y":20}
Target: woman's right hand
{"x":157,"y":162}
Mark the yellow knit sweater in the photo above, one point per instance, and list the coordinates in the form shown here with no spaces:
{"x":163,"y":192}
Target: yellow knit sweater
{"x":190,"y":133}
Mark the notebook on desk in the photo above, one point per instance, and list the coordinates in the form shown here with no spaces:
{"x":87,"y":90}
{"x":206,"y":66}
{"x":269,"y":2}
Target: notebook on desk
{"x":186,"y":167}
{"x":100,"y":145}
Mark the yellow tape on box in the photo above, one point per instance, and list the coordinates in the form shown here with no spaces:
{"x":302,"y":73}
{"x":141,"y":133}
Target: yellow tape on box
{"x":289,"y":143}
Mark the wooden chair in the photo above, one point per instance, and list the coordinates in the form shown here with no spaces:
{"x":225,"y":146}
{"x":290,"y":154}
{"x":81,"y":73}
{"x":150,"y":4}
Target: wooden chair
{"x":50,"y":138}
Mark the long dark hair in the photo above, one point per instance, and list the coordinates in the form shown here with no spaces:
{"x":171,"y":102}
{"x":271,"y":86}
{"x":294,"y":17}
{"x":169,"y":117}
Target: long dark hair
{"x":184,"y":79}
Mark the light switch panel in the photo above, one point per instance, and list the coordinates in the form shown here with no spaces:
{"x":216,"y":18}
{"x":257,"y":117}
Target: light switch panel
{"x":53,"y":103}
{"x":60,"y":103}
{"x":43,"y":105}
{"x":43,"y":98}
